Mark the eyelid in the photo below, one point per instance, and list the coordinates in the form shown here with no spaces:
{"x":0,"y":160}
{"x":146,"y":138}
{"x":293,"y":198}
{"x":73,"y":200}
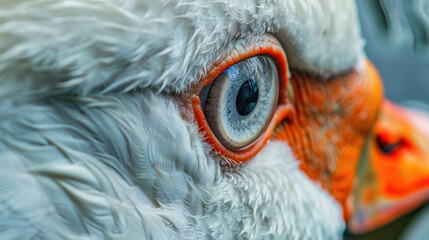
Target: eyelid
{"x":266,"y":45}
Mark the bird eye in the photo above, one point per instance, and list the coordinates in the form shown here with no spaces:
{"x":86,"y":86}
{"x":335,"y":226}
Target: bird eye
{"x":239,"y":104}
{"x":242,"y":98}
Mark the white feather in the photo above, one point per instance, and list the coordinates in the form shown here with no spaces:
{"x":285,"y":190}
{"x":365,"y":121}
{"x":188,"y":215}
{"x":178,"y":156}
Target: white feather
{"x":86,"y":47}
{"x":93,"y":147}
{"x":128,"y":166}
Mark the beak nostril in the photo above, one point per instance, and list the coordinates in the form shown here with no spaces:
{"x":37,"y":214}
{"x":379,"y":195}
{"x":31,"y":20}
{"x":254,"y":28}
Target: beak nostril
{"x":387,"y":146}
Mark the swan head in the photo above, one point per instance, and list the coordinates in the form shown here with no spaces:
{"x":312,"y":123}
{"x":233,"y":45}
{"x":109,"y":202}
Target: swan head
{"x":182,"y":119}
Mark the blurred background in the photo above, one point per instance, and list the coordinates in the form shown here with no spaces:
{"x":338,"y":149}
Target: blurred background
{"x":397,"y":42}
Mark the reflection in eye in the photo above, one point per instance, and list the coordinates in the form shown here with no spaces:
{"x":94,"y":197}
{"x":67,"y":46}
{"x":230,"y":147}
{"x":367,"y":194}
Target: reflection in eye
{"x":240,"y":102}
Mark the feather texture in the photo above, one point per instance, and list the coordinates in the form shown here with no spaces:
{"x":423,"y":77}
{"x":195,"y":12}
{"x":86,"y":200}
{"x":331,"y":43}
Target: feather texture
{"x":92,"y":145}
{"x":129,"y":166}
{"x":54,"y":47}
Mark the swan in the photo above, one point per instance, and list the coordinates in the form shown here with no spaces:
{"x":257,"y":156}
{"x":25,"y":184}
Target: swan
{"x":180,"y":119}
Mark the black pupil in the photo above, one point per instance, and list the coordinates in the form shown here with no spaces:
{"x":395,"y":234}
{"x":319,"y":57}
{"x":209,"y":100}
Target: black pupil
{"x":247,"y":97}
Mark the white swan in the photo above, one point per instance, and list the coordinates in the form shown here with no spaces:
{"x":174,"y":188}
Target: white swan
{"x":98,"y":139}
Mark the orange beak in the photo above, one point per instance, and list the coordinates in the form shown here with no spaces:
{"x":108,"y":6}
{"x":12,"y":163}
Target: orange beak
{"x":393,"y":176}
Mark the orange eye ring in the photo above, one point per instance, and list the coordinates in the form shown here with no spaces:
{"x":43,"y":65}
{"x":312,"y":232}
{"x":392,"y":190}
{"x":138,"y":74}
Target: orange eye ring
{"x":264,"y":46}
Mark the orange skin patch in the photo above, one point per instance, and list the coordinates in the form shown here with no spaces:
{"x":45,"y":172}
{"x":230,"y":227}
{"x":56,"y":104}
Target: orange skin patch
{"x":394,"y":178}
{"x":324,"y":121}
{"x":329,"y":125}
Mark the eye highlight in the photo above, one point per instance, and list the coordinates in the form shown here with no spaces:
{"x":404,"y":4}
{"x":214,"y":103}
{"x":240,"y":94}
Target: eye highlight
{"x":240,"y":102}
